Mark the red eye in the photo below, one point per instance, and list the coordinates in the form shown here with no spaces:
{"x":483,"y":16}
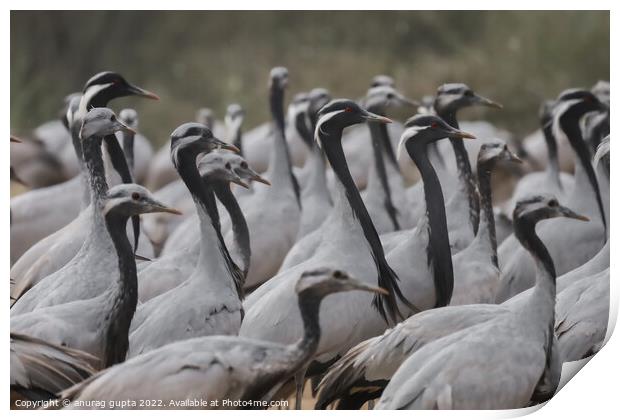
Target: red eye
{"x":434,"y":125}
{"x":348,"y":109}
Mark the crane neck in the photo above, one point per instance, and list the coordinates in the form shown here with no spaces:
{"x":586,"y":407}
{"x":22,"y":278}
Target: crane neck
{"x":212,"y":243}
{"x":309,"y":305}
{"x":93,"y":97}
{"x":238,"y":139}
{"x":96,"y":188}
{"x":387,"y":144}
{"x":119,"y":163}
{"x":542,"y":299}
{"x":378,"y":143}
{"x":569,"y":123}
{"x":438,"y":249}
{"x":93,"y":159}
{"x":466,"y":178}
{"x":315,"y":160}
{"x":280,"y":167}
{"x":124,"y":297}
{"x":486,"y":230}
{"x":241,"y":233}
{"x":128,"y":149}
{"x":552,"y":151}
{"x":331,"y":139}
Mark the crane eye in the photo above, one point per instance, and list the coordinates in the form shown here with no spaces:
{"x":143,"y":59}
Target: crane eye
{"x":348,"y":109}
{"x":244,"y":165}
{"x":553,"y":203}
{"x":227,"y":166}
{"x":434,"y":125}
{"x":135,"y":196}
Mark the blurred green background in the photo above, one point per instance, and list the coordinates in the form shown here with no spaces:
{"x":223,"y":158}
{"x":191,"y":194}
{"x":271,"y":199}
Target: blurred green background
{"x":212,"y":58}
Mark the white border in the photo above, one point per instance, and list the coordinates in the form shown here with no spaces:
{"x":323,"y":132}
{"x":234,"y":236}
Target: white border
{"x":591,"y":394}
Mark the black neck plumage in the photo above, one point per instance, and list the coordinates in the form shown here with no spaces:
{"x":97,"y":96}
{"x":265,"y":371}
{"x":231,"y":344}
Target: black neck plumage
{"x":378,"y":143}
{"x":125,"y":299}
{"x":239,"y":224}
{"x":304,"y":131}
{"x":387,"y":306}
{"x":238,"y":139}
{"x":387,"y":144}
{"x":486,"y":203}
{"x":525,"y":231}
{"x":121,"y":166}
{"x":276,"y":104}
{"x":438,"y":250}
{"x":569,"y":122}
{"x":552,"y":149}
{"x":464,"y":169}
{"x":309,"y":305}
{"x":204,"y":196}
{"x":128,"y":149}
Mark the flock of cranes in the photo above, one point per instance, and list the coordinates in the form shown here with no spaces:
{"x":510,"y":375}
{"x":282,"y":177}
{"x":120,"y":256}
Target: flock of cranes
{"x":299,"y":254}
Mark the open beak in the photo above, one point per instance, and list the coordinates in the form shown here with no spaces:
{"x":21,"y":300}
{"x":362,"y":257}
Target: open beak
{"x":461,"y":134}
{"x":369,"y":116}
{"x":15,"y":140}
{"x":566,"y":212}
{"x":481,"y":100}
{"x":135,"y":90}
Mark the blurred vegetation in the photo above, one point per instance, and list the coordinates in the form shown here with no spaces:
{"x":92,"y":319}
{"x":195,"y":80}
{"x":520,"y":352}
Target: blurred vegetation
{"x":212,"y":58}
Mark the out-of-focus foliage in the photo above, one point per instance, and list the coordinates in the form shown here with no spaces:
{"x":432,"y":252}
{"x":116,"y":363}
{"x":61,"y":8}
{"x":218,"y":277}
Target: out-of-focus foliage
{"x":195,"y":59}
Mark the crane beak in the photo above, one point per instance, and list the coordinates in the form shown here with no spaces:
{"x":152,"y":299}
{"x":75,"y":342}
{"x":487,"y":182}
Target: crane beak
{"x":138,"y":91}
{"x":514,"y":158}
{"x":369,"y":116}
{"x":404,"y":101}
{"x":566,"y":212}
{"x":219,"y":144}
{"x":358,"y":285}
{"x":239,"y":182}
{"x":260,"y":179}
{"x":155,"y":206}
{"x":481,"y":100}
{"x":127,"y":129}
{"x":461,"y":134}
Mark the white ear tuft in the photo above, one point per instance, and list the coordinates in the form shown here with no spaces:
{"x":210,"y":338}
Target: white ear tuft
{"x":320,"y":123}
{"x":407,"y":134}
